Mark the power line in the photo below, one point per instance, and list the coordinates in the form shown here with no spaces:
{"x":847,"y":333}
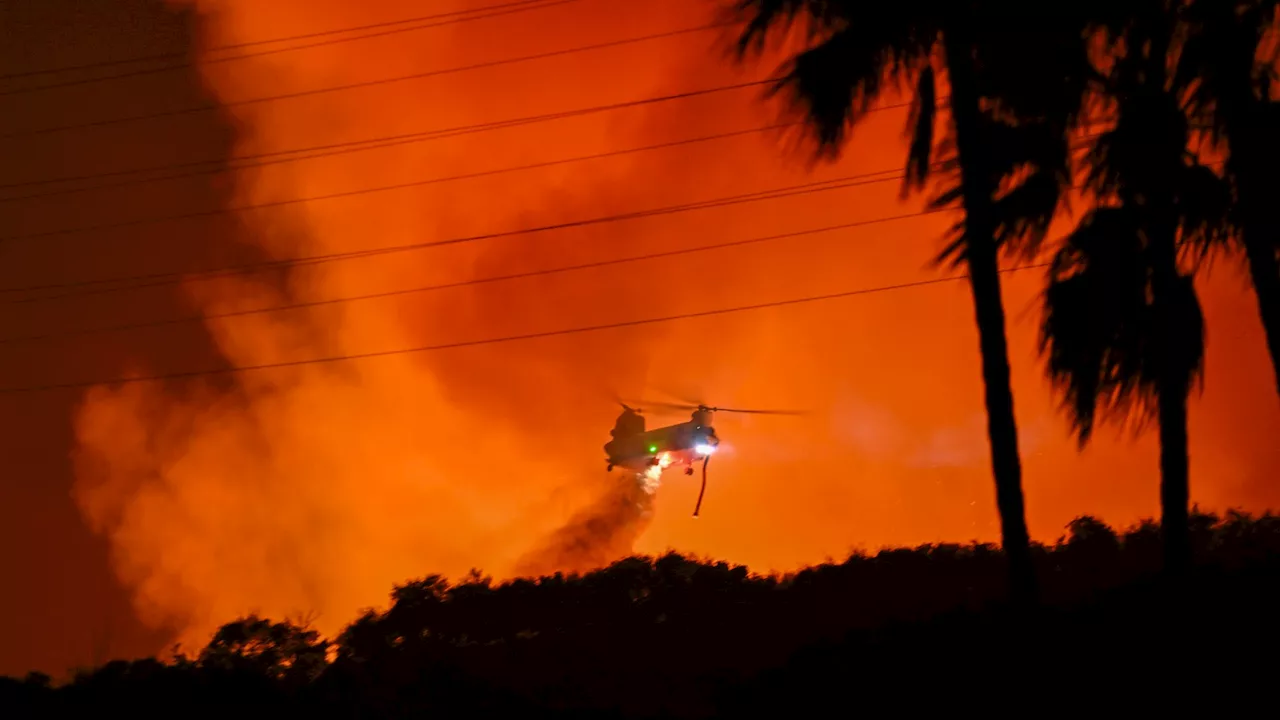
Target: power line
{"x":415,"y":138}
{"x":776,"y":193}
{"x":484,"y":173}
{"x":477,"y":281}
{"x":508,"y":8}
{"x":351,"y":193}
{"x":254,"y":43}
{"x":343,"y":148}
{"x":530,"y":166}
{"x":323,"y":151}
{"x":168,"y":278}
{"x":497,"y":340}
{"x":366,"y":83}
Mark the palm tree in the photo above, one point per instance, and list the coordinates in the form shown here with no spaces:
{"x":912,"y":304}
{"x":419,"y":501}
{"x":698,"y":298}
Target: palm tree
{"x":1229,"y":63}
{"x":1001,"y":83}
{"x":1122,"y":327}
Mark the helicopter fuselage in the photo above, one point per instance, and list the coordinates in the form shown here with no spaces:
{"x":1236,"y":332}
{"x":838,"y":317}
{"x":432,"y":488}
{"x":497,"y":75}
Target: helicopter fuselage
{"x":683,"y":443}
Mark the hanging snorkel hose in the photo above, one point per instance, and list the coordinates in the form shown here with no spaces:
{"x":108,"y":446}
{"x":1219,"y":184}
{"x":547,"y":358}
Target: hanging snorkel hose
{"x":698,"y":507}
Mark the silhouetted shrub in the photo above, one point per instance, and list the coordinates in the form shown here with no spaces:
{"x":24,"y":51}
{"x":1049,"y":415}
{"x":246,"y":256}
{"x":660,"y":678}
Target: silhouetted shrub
{"x":674,"y":636}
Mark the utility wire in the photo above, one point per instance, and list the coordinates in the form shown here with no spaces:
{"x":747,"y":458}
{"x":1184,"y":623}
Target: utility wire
{"x":776,"y":193}
{"x":492,"y":279}
{"x":405,"y":139}
{"x":453,"y":16}
{"x":477,"y":281}
{"x":334,"y":149}
{"x":331,"y":149}
{"x":169,"y":278}
{"x":253,"y":43}
{"x":328,"y":150}
{"x":347,"y":148}
{"x":485,"y":173}
{"x":366,"y":83}
{"x":384,"y":188}
{"x":497,"y":340}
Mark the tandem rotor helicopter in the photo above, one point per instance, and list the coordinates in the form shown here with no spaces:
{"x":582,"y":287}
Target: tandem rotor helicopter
{"x":652,"y":451}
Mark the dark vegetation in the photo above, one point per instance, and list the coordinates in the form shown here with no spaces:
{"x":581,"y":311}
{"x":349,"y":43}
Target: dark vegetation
{"x":676,"y":637}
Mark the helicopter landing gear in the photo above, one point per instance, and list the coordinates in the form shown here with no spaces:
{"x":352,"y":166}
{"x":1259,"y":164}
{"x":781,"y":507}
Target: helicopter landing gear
{"x":609,"y":468}
{"x":688,"y":470}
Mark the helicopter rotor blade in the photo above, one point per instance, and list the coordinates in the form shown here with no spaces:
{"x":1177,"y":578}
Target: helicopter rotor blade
{"x":664,"y":406}
{"x":680,"y":407}
{"x":755,"y":412}
{"x":677,"y":393}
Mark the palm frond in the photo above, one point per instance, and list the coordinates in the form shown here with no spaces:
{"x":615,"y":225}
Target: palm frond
{"x":850,"y":57}
{"x":761,"y":18}
{"x":1023,"y":214}
{"x":924,"y":107}
{"x":954,"y":253}
{"x":1031,"y":164}
{"x":1041,"y":73}
{"x":1012,"y":145}
{"x":836,"y":81}
{"x":1146,"y":148}
{"x":1223,"y":62}
{"x":1205,"y":202}
{"x":1096,"y":318}
{"x":949,"y":195}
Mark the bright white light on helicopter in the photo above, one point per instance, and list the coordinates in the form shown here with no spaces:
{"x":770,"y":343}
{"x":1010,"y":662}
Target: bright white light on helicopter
{"x":704,"y":449}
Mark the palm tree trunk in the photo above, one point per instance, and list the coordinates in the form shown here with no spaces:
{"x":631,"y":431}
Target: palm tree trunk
{"x":984,"y":281}
{"x":1265,"y":273}
{"x":1172,"y":390}
{"x":1260,"y":235}
{"x":1172,"y":383}
{"x":1175,"y":479}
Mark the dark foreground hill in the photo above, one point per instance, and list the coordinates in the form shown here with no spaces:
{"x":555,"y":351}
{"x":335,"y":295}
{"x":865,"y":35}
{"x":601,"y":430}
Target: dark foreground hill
{"x":902,"y":630}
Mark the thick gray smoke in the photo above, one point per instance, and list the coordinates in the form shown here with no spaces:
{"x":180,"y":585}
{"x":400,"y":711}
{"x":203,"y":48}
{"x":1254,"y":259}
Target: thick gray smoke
{"x":601,"y":533}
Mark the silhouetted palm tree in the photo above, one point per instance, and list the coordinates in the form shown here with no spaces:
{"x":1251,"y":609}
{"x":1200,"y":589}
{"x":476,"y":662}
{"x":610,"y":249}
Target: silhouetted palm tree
{"x":1017,"y":74}
{"x":1122,"y":325}
{"x":1231,"y":54}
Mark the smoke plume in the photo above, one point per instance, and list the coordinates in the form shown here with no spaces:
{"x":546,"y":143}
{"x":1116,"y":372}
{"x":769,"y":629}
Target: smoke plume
{"x":597,"y":535}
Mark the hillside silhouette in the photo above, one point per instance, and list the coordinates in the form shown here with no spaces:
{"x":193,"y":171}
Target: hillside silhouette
{"x":674,"y":636}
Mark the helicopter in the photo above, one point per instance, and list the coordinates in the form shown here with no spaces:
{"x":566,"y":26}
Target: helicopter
{"x":639,"y":450}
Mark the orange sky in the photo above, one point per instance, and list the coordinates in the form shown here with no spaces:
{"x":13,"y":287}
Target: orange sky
{"x":311,"y":490}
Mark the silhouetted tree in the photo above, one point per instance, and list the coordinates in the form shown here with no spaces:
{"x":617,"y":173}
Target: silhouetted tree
{"x":1229,"y":65}
{"x":1122,"y":327}
{"x":1017,"y":73}
{"x":281,"y":651}
{"x":672,"y":636}
{"x":1089,"y":532}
